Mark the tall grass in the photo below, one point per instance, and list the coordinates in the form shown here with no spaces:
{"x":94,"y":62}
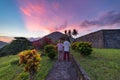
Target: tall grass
{"x":10,"y":71}
{"x":102,"y":64}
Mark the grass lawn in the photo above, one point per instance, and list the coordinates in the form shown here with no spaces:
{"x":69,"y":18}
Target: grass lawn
{"x":10,"y":71}
{"x":102,"y":64}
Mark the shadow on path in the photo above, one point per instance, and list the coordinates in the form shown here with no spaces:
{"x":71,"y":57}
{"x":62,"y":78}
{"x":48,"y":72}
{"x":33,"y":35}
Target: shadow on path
{"x":62,"y":71}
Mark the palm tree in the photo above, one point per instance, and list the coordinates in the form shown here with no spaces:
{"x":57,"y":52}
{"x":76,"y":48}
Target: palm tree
{"x":69,"y":33}
{"x":65,"y":32}
{"x":75,"y":32}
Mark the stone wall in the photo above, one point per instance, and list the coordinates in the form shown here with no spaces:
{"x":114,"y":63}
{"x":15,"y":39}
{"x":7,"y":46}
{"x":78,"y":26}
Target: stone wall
{"x":95,"y":38}
{"x":103,"y":38}
{"x":111,"y":38}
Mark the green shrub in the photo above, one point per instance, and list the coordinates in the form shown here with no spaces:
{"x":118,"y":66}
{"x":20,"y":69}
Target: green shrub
{"x":15,"y":62}
{"x":50,"y":51}
{"x":16,"y":46}
{"x":85,"y":48}
{"x":74,"y":45}
{"x":23,"y":76}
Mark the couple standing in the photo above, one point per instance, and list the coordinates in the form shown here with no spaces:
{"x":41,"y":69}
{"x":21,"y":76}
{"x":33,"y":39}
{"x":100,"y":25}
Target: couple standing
{"x":63,"y":50}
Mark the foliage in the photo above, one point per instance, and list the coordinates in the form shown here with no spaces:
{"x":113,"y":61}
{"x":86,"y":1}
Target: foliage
{"x":40,"y":44}
{"x":48,"y":40}
{"x":85,"y":48}
{"x":15,"y":62}
{"x":22,"y":76}
{"x":37,"y":44}
{"x":65,"y":32}
{"x":102,"y":64}
{"x":50,"y":50}
{"x":74,"y":45}
{"x":16,"y":46}
{"x":75,"y":32}
{"x":13,"y":72}
{"x":30,"y":59}
{"x":69,"y":34}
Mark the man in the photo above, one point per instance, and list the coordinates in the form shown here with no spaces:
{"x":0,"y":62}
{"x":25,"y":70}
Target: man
{"x":66,"y":45}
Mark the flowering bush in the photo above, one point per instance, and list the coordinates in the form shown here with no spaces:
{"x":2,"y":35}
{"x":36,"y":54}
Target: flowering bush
{"x":74,"y":45}
{"x":40,"y":44}
{"x":50,"y":50}
{"x":30,"y":59}
{"x":48,"y":40}
{"x":37,"y":44}
{"x":85,"y":48}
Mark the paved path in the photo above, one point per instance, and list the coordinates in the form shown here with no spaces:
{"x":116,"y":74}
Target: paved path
{"x":62,"y":71}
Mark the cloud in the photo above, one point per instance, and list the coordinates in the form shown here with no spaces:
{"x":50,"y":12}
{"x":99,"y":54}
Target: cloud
{"x":53,"y":15}
{"x":43,"y":15}
{"x":108,"y":19}
{"x":6,"y":39}
{"x":61,"y":27}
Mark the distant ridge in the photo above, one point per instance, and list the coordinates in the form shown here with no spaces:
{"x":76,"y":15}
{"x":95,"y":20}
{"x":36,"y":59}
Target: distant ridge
{"x":2,"y":44}
{"x":55,"y":36}
{"x":33,"y":39}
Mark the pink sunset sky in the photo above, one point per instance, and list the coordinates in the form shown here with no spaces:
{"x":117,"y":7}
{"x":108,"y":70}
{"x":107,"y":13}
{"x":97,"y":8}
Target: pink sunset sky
{"x":37,"y":18}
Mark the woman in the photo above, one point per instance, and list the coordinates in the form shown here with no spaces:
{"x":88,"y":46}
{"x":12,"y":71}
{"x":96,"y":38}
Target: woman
{"x":60,"y":50}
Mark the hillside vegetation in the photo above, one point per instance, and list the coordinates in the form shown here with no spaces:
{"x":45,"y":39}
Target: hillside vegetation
{"x":9,"y":69}
{"x":2,"y":44}
{"x":16,"y":46}
{"x":102,"y":64}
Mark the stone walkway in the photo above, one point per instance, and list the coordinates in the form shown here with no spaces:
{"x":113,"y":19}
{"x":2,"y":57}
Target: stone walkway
{"x":62,"y":71}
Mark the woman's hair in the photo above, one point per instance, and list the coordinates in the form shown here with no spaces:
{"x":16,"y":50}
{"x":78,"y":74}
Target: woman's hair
{"x":60,"y":41}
